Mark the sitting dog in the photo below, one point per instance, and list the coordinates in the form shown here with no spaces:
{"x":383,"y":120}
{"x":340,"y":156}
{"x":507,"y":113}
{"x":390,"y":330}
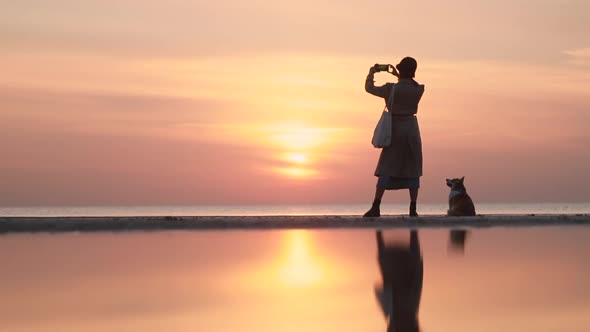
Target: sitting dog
{"x":460,"y":204}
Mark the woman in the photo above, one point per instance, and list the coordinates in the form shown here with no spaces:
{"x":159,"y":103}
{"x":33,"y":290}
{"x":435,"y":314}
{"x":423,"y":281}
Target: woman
{"x":400,"y":164}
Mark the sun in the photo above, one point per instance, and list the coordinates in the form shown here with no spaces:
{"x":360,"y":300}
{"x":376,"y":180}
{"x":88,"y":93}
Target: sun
{"x":296,"y":158}
{"x":298,"y":147}
{"x":296,"y":136}
{"x":296,"y":172}
{"x":297,"y":143}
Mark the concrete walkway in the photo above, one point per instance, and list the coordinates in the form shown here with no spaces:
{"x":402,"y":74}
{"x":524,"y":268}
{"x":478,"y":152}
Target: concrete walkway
{"x":114,"y":224}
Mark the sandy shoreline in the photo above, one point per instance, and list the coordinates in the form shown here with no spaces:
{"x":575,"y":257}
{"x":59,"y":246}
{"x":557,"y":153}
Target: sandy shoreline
{"x":139,"y":223}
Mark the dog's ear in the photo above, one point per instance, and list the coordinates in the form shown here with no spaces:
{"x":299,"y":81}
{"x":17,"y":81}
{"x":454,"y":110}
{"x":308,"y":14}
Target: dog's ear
{"x":463,"y":178}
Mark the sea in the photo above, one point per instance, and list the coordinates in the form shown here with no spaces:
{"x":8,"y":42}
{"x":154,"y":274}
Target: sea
{"x":282,"y":210}
{"x":330,"y":280}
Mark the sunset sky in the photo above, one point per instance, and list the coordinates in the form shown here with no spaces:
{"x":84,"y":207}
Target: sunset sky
{"x":261,"y":102}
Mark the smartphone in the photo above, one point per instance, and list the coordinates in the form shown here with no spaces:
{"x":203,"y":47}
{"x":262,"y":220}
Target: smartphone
{"x":383,"y":67}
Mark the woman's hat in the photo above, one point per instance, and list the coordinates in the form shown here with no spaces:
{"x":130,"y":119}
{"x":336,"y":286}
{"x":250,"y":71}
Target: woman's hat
{"x":407,"y":66}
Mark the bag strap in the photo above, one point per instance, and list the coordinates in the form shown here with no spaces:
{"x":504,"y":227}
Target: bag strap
{"x":390,"y":100}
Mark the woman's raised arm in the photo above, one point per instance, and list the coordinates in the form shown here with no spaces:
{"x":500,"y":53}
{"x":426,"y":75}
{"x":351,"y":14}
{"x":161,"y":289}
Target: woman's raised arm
{"x":379,"y":91}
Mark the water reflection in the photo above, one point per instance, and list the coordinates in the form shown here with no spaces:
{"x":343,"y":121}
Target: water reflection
{"x":457,"y":239}
{"x":299,"y":266}
{"x":402,"y":271}
{"x":510,"y":280}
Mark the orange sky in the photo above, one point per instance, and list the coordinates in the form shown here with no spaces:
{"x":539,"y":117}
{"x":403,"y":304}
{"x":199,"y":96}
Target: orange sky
{"x":178,"y":102}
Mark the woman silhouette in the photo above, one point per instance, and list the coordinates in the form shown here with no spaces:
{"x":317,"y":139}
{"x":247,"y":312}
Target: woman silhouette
{"x":400,"y":164}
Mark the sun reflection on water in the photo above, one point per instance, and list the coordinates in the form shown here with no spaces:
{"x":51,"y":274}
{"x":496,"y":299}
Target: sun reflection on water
{"x":295,"y":264}
{"x":298,"y":266}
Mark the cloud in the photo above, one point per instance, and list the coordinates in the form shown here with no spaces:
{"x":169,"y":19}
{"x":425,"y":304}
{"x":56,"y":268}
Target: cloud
{"x":45,"y":112}
{"x":189,"y":29}
{"x":579,"y":56}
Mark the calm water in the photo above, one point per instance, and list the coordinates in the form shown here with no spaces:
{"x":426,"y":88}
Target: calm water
{"x":351,"y":209}
{"x":511,"y":280}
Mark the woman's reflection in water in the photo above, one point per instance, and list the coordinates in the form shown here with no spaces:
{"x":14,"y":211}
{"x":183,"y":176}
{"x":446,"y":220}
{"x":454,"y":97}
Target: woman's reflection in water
{"x":402,"y":272}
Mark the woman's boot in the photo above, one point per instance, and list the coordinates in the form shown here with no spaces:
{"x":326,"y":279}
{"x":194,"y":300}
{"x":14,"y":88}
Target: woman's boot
{"x":413,"y":212}
{"x":374,"y":211}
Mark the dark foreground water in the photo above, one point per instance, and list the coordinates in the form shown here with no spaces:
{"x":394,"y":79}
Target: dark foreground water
{"x":525,"y":279}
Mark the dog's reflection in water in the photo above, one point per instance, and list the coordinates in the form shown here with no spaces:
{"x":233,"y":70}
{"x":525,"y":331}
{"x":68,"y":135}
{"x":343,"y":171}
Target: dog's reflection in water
{"x":402,"y":274}
{"x":457,"y":240}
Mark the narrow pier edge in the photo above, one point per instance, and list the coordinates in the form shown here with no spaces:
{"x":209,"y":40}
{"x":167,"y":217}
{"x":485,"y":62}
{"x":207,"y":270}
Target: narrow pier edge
{"x":157,"y":223}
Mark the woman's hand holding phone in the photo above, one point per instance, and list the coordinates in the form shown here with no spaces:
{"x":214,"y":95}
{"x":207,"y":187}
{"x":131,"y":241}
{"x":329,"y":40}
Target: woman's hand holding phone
{"x":393,"y":71}
{"x":389,"y":68}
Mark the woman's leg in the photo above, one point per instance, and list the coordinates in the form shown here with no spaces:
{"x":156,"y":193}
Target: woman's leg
{"x":379,"y":194}
{"x":414,"y":194}
{"x":413,"y":200}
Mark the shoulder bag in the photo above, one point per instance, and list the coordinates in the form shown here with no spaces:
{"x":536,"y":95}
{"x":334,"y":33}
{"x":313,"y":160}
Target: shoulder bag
{"x":382,"y":133}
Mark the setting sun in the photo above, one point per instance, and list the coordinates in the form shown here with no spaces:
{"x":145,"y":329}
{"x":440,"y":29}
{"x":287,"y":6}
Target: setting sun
{"x":296,"y":158}
{"x":296,"y":172}
{"x":298,"y":141}
{"x":297,"y":136}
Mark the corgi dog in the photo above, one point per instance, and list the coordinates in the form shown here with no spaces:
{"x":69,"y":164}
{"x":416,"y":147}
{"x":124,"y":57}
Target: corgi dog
{"x":460,"y":204}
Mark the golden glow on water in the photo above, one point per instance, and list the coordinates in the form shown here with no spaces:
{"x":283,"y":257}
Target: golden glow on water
{"x":298,"y":265}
